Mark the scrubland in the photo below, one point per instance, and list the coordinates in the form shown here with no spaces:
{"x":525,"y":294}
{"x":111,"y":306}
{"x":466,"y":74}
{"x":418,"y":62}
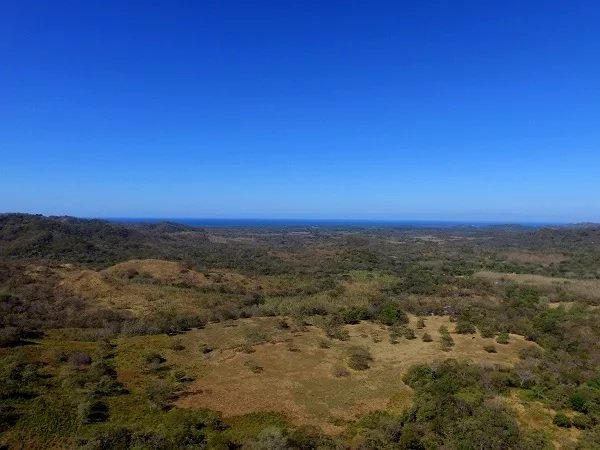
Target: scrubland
{"x":167,"y":336}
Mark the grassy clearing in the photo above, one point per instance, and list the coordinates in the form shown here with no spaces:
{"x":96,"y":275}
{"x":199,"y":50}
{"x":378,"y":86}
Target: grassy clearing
{"x":301,"y":384}
{"x":153,"y":286}
{"x":589,"y":289}
{"x":534,"y":415}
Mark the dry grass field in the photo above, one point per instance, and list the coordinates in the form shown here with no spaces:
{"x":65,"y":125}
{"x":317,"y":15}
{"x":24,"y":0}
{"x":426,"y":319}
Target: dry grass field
{"x":151,"y":285}
{"x":255,"y":365}
{"x":589,"y":289}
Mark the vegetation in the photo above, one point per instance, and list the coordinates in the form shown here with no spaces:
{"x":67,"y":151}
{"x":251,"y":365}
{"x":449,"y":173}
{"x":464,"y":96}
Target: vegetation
{"x":169,"y":336}
{"x":359,"y":358}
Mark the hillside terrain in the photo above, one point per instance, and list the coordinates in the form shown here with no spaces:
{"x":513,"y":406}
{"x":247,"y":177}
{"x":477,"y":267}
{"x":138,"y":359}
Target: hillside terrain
{"x":164,"y":336}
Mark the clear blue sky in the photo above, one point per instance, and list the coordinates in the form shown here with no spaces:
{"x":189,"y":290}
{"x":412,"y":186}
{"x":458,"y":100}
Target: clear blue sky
{"x":450,"y":110}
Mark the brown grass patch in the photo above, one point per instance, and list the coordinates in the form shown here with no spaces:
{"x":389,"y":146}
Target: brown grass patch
{"x":302,"y":385}
{"x":150,"y":285}
{"x":524,"y":257}
{"x":585,"y":288}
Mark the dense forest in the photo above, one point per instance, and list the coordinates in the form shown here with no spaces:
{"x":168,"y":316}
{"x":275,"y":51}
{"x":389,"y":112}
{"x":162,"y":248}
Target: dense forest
{"x":164,"y":336}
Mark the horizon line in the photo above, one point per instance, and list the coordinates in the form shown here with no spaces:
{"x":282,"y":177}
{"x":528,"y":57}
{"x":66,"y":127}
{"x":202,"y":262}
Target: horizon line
{"x":116,"y":218}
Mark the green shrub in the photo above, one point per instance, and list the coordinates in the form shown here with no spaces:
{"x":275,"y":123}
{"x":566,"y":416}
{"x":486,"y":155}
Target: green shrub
{"x":578,"y":402}
{"x":581,"y":421}
{"x":486,"y":331}
{"x":503,"y":338}
{"x":160,"y":393}
{"x":490,"y":348}
{"x":334,"y":330}
{"x":464,"y":327}
{"x":561,"y":420}
{"x":113,"y":438}
{"x":271,"y":438}
{"x":445,"y":339}
{"x":391,"y":314}
{"x":354,"y":315}
{"x":108,"y":385}
{"x":154,"y":358}
{"x":92,"y":411}
{"x":255,"y":337}
{"x":359,"y":358}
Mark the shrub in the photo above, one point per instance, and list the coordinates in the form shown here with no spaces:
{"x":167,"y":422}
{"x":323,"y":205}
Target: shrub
{"x":354,"y":315}
{"x":256,"y":336}
{"x":464,"y":327}
{"x":92,"y":411}
{"x":154,"y":358}
{"x":420,"y":323}
{"x":578,"y":402}
{"x":178,"y":345}
{"x":486,"y":331}
{"x":581,"y":422}
{"x":561,"y":420}
{"x":324,"y":343}
{"x":160,"y":393}
{"x":335,"y":331}
{"x":107,"y":385}
{"x":359,"y":358}
{"x":9,"y":337}
{"x":245,"y":348}
{"x":113,"y":438}
{"x":180,"y":377}
{"x":340,"y":372}
{"x":205,"y":349}
{"x":291,"y":347}
{"x":490,"y":348}
{"x":253,"y":366}
{"x":391,"y":314}
{"x":409,"y":333}
{"x":445,"y":339}
{"x":427,"y":337}
{"x":8,"y":417}
{"x":503,"y":338}
{"x":270,"y":438}
{"x":80,"y":359}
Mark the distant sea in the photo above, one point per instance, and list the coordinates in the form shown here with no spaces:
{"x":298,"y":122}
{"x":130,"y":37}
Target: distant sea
{"x":326,"y":223}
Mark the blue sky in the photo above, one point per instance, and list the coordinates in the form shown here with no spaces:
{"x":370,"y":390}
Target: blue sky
{"x":449,"y":110}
